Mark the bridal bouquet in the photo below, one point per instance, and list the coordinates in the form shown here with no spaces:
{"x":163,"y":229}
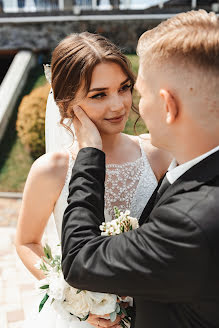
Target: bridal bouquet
{"x":72,"y":303}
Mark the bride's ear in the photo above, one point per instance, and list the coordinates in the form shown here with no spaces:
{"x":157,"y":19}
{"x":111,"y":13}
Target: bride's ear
{"x":170,"y":106}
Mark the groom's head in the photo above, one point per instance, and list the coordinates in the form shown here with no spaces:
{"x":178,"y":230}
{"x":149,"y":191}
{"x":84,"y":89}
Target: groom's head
{"x":178,"y":78}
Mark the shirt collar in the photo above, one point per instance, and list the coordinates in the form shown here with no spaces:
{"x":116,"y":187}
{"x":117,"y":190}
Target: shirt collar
{"x":174,"y":171}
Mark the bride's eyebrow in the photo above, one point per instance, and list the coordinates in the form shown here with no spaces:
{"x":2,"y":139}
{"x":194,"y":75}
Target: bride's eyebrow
{"x":126,"y":80}
{"x":102,"y":89}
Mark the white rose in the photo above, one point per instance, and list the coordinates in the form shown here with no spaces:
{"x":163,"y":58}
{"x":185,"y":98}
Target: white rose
{"x":101,"y":227}
{"x":104,"y":233}
{"x":78,"y":304}
{"x":103,"y":303}
{"x":134,"y":222}
{"x":115,"y":223}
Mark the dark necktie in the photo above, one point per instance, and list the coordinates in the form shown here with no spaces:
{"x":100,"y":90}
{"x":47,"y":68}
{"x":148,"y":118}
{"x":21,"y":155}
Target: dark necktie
{"x":163,"y":187}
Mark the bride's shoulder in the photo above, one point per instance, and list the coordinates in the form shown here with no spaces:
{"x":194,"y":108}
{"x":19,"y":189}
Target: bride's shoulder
{"x":159,"y":159}
{"x":51,"y":166}
{"x":46,"y":179}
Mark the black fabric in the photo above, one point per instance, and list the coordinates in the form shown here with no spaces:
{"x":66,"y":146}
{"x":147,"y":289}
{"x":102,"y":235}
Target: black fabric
{"x":163,"y":184}
{"x":169,"y":265}
{"x":163,"y":187}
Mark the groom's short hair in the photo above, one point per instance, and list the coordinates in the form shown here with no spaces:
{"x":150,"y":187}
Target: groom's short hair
{"x":191,"y":37}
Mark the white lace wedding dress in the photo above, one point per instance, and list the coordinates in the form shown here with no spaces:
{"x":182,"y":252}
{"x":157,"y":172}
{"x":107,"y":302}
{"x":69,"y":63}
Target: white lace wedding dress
{"x":127,"y":186}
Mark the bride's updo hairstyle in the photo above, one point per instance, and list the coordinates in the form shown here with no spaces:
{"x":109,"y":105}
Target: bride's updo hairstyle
{"x":73,"y":62}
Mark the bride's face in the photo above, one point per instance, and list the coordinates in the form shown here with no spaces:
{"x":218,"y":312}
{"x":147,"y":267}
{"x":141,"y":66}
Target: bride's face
{"x":109,"y":99}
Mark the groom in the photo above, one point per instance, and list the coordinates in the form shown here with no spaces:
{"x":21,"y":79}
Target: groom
{"x":170,"y":265}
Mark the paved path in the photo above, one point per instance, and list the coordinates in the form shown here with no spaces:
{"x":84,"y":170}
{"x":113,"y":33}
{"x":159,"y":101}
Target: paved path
{"x":16,"y":283}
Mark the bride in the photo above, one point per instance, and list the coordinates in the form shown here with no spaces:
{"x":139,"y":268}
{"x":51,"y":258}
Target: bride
{"x":89,"y":71}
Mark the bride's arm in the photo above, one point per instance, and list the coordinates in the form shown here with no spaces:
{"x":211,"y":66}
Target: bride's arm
{"x":44,"y":183}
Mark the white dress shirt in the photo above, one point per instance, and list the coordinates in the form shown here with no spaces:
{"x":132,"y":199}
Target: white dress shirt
{"x":174,"y":171}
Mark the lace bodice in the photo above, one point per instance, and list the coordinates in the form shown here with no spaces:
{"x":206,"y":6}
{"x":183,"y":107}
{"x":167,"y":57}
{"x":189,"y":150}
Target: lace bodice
{"x":128,"y":186}
{"x":120,"y":185}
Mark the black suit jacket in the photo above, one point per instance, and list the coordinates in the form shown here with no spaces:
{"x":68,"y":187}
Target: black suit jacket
{"x":170,"y":265}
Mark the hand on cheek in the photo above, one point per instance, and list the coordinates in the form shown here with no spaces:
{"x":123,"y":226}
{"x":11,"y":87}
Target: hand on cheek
{"x":86,"y":131}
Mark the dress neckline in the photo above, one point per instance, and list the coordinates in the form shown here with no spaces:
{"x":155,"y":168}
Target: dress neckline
{"x":131,"y":163}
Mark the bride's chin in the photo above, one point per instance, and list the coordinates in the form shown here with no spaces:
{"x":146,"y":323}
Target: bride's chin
{"x":112,"y":130}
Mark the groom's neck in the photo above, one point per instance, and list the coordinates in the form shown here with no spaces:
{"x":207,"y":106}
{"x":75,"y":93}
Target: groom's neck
{"x":194,"y":146}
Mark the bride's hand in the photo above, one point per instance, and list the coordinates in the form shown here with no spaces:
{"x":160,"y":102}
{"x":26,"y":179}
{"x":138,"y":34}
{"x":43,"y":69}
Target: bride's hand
{"x":99,"y":322}
{"x":86,"y":131}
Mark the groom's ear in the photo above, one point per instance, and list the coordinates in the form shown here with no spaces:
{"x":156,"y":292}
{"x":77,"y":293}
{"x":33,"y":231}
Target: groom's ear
{"x":170,"y":106}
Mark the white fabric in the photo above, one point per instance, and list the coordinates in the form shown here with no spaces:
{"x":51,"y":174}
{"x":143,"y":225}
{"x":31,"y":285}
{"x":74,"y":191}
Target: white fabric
{"x":174,"y":171}
{"x":57,"y":137}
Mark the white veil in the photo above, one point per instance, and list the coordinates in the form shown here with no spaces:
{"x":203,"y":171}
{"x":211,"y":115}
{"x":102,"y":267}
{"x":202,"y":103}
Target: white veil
{"x":57,"y":138}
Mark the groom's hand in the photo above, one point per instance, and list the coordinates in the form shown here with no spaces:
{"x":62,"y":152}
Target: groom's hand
{"x":100,"y":322}
{"x":86,"y":131}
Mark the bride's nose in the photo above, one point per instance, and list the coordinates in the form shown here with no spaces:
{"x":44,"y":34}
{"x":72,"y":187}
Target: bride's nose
{"x":116,"y":103}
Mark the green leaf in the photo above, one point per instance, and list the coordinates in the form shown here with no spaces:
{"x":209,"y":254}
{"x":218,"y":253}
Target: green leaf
{"x":45,"y":298}
{"x":116,"y":212}
{"x":48,"y":252}
{"x":43,"y":267}
{"x":48,"y":261}
{"x":124,"y":311}
{"x":78,"y":291}
{"x":113,"y":316}
{"x":117,"y":308}
{"x":44,"y":287}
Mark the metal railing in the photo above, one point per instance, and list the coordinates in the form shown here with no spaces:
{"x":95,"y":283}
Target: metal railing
{"x":49,"y":5}
{"x":78,"y":5}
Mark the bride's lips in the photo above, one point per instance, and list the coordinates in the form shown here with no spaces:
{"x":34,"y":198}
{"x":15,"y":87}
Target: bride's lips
{"x":116,"y":119}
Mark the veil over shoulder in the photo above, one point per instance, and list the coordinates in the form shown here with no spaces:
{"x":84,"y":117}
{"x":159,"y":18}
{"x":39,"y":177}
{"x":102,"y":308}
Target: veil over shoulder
{"x":57,"y":138}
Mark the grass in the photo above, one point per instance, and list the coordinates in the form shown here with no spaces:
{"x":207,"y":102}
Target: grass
{"x":15,"y":161}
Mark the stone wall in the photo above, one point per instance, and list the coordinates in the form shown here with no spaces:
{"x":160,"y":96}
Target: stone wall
{"x":44,"y":35}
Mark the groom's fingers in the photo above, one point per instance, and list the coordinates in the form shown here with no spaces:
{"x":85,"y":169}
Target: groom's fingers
{"x":77,"y":124}
{"x":96,"y":321}
{"x":86,"y":131}
{"x":81,"y":115}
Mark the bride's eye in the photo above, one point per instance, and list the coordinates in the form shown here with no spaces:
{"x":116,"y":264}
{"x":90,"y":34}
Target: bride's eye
{"x":125,"y":87}
{"x":98,"y":95}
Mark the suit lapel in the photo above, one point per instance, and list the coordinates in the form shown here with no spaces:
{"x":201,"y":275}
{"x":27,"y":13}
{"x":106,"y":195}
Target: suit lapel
{"x":196,"y":176}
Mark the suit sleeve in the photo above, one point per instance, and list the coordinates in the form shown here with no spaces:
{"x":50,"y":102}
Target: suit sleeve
{"x":165,"y":258}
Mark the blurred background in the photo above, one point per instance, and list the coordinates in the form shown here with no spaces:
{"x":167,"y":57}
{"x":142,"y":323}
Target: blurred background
{"x":29,"y":31}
